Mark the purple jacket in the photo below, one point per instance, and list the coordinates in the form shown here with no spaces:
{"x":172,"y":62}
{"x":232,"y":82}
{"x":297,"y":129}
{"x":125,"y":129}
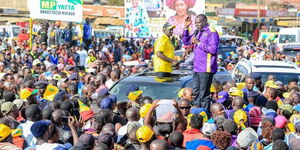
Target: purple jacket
{"x":206,"y":51}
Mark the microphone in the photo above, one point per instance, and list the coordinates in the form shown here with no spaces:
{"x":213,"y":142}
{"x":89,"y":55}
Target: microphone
{"x":196,"y":32}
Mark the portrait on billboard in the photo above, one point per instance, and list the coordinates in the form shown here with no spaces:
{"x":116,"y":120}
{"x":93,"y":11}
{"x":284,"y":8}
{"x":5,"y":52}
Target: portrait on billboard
{"x":178,"y":10}
{"x":136,"y":19}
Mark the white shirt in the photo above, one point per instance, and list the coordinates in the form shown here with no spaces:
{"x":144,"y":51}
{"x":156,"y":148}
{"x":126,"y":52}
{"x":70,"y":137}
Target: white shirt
{"x":109,"y":83}
{"x":82,"y":57}
{"x":27,"y":135}
{"x":45,"y":146}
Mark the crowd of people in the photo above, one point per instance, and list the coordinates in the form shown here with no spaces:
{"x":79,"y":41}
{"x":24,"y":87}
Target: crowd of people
{"x":55,"y":95}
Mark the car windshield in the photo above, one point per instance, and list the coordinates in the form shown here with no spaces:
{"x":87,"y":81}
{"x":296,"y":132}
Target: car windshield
{"x":283,"y":77}
{"x":222,"y":50}
{"x":16,"y":31}
{"x":287,"y":38}
{"x":156,"y":90}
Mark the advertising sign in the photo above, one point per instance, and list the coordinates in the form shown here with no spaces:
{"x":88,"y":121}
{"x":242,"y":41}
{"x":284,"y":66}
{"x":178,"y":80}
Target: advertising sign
{"x":178,"y":10}
{"x":64,"y":10}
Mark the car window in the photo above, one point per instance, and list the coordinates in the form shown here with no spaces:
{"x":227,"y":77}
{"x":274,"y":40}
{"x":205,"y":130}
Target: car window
{"x":283,"y":77}
{"x":156,"y":90}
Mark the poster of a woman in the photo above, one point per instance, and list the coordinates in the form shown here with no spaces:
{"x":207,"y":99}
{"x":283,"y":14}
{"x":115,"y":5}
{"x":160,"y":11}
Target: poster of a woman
{"x":179,"y":10}
{"x":136,"y":20}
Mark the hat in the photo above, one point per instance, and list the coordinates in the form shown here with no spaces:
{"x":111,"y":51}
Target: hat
{"x":287,"y":108}
{"x":41,"y":84}
{"x":234,"y":56}
{"x":4,"y":131}
{"x":246,"y":138}
{"x":256,"y":75}
{"x":86,"y":139}
{"x":168,"y":26}
{"x":90,"y":50}
{"x":39,"y":128}
{"x":209,"y":128}
{"x":132,"y":88}
{"x":144,"y":134}
{"x":144,"y":110}
{"x":212,"y":88}
{"x":220,"y":57}
{"x":86,"y":115}
{"x":134,"y":95}
{"x":286,"y":95}
{"x":295,"y":118}
{"x":271,"y":84}
{"x":74,"y":76}
{"x":255,"y":116}
{"x":203,"y":147}
{"x":19,"y":103}
{"x":107,"y":103}
{"x":69,"y":67}
{"x":35,"y":62}
{"x":230,"y":126}
{"x":278,"y":83}
{"x":297,"y":107}
{"x":57,"y":77}
{"x":280,"y":121}
{"x":180,"y":93}
{"x":201,"y":112}
{"x":252,"y":94}
{"x":44,"y":43}
{"x":234,"y":91}
{"x":103,"y":92}
{"x":227,"y":54}
{"x":222,"y":96}
{"x":7,"y":107}
{"x":269,"y":112}
{"x":240,"y":118}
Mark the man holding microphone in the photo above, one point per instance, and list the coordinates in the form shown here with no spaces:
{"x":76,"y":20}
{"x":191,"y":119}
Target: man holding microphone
{"x":206,"y":41}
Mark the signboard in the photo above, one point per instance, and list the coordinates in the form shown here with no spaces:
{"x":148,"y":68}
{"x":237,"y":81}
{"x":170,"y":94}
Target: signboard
{"x":10,"y":11}
{"x":178,"y":10}
{"x":104,"y":11}
{"x":249,"y":13}
{"x":225,"y":11}
{"x":64,"y":10}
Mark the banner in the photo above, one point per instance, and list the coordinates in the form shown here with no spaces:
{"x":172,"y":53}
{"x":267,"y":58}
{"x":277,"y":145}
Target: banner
{"x":178,"y":10}
{"x":64,"y":10}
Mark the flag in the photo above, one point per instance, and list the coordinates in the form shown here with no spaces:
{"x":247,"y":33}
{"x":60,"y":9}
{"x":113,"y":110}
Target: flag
{"x":16,"y":132}
{"x":26,"y":92}
{"x":50,"y":92}
{"x":83,"y":107}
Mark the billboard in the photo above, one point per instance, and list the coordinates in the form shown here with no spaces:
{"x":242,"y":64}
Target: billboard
{"x":64,"y":10}
{"x":178,"y":10}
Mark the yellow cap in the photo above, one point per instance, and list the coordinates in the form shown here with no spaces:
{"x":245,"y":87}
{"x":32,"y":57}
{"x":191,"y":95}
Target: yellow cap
{"x":271,"y":84}
{"x":144,"y":134}
{"x":144,"y":110}
{"x":286,"y":95}
{"x":212,"y":89}
{"x":240,"y":86}
{"x":134,"y":95}
{"x":180,"y":93}
{"x":234,"y":91}
{"x":4,"y":131}
{"x":240,"y":118}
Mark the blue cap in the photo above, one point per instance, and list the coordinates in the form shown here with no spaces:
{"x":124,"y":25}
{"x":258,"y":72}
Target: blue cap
{"x":39,"y":128}
{"x":113,"y":97}
{"x":197,"y":111}
{"x":252,"y":94}
{"x":107,"y":103}
{"x":132,"y":88}
{"x":222,"y":96}
{"x":234,"y":56}
{"x":297,"y":107}
{"x":227,"y":54}
{"x":256,"y":75}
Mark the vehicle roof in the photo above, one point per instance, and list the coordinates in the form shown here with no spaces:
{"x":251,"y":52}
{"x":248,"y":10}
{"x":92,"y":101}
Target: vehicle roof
{"x":271,"y":66}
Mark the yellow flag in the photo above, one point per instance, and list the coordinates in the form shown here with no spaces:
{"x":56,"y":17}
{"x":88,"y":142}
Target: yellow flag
{"x":83,"y":107}
{"x":50,"y":92}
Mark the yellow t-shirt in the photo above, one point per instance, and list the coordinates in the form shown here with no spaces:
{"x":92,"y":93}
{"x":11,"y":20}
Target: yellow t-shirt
{"x":164,"y":45}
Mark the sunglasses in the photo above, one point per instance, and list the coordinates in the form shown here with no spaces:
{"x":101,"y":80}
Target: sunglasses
{"x":186,"y":107}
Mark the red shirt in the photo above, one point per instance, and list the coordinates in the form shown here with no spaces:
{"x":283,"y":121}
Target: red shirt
{"x":191,"y":134}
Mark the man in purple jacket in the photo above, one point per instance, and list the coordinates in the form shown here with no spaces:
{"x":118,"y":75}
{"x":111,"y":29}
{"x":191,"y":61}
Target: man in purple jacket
{"x":206,"y":42}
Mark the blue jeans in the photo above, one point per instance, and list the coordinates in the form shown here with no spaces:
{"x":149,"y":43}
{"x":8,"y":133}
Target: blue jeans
{"x":201,"y":89}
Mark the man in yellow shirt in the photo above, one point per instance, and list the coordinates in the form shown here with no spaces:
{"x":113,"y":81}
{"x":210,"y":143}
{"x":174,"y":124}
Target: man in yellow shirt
{"x":164,"y":52}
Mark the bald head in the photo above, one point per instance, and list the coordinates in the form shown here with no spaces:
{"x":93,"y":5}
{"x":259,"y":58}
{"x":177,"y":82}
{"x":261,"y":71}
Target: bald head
{"x":56,"y":116}
{"x":159,"y":145}
{"x":132,"y":114}
{"x":108,"y":128}
{"x":216,"y":109}
{"x":187,"y":94}
{"x":238,"y":103}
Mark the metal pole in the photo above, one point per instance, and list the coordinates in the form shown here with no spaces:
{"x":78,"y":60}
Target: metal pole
{"x":30,"y":33}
